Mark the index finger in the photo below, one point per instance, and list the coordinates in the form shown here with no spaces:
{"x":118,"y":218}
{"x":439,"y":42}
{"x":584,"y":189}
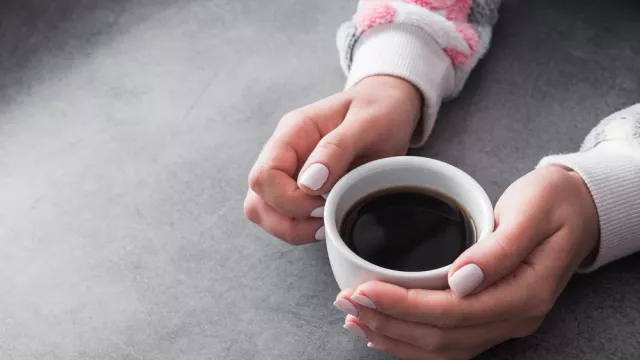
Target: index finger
{"x":273,"y":177}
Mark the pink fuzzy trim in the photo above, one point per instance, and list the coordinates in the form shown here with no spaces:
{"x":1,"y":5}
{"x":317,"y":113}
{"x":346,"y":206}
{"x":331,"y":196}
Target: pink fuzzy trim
{"x":433,"y":4}
{"x":457,"y":11}
{"x":471,"y":38}
{"x":469,"y":35}
{"x":376,"y":15}
{"x":457,"y":58}
{"x":454,"y":10}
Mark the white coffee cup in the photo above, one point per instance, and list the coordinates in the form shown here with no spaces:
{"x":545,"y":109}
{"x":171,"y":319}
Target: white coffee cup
{"x":350,"y":269}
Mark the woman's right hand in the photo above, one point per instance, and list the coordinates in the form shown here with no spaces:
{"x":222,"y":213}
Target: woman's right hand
{"x":314,"y":146}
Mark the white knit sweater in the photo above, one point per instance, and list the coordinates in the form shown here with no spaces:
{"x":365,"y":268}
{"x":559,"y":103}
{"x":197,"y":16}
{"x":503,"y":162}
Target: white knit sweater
{"x":435,"y":44}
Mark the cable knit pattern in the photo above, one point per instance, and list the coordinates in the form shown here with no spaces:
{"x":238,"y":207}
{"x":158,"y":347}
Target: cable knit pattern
{"x":609,"y":163}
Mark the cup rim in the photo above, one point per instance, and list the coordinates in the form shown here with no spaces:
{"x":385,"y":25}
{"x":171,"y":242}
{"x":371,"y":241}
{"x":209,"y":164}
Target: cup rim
{"x":331,"y":228}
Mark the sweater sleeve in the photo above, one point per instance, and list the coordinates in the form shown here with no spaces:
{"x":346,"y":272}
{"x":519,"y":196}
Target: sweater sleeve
{"x":609,"y":163}
{"x":434,"y":44}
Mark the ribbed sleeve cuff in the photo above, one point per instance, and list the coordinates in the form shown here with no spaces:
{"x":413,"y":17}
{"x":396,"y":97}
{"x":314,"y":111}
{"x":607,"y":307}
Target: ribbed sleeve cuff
{"x":613,"y":178}
{"x":410,"y":53}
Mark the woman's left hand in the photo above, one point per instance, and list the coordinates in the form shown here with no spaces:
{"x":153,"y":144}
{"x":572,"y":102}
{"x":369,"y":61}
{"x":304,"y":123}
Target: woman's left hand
{"x":501,"y":288}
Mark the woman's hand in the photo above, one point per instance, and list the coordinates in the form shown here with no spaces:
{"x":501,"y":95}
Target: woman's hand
{"x":501,"y":288}
{"x":313,"y":147}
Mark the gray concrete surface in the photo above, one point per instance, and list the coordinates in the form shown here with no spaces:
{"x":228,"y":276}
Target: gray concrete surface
{"x":127,"y":128}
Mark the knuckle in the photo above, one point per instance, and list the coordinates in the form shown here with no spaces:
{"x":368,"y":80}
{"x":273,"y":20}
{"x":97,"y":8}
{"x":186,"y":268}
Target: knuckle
{"x":507,"y":243}
{"x":449,"y":320}
{"x":279,"y":230}
{"x":436,"y":340}
{"x":543,"y":302}
{"x":377,"y":323}
{"x":257,"y":178}
{"x":304,"y":119}
{"x":300,"y":116}
{"x":294,"y":116}
{"x":332,"y":144}
{"x":442,"y":314}
{"x":251,"y":211}
{"x":291,"y":236}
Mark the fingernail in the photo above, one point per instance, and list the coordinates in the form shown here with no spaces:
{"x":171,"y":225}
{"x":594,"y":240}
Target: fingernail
{"x":466,"y":279}
{"x":372,"y":346}
{"x":318,"y":213}
{"x":320,"y":234}
{"x":363,"y":300}
{"x":346,"y":306}
{"x":315,"y":176}
{"x":355,"y":329}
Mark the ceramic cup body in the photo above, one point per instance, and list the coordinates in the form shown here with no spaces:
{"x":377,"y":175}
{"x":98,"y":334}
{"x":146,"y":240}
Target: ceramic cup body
{"x":351,"y":270}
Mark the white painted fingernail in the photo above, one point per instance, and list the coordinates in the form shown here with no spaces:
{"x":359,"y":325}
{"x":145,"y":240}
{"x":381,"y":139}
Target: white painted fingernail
{"x":346,"y":306}
{"x":318,"y":213}
{"x":355,"y":329}
{"x":466,"y":279}
{"x":363,"y":300}
{"x":315,"y":176}
{"x":320,"y":234}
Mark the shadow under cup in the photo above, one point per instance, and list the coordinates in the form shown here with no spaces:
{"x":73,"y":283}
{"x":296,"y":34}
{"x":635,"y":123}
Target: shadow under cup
{"x":350,"y":269}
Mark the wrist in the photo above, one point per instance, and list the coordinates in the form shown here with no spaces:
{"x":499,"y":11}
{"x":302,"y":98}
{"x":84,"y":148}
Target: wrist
{"x":406,"y":52}
{"x":396,"y":89}
{"x":586,"y":214}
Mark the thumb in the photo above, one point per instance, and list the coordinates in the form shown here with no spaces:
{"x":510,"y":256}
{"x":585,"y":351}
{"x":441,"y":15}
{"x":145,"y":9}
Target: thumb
{"x":330,"y":159}
{"x":493,"y":258}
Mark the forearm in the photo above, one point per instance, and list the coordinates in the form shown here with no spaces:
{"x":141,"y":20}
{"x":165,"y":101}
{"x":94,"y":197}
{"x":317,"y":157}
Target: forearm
{"x":609,"y":163}
{"x":434,"y":46}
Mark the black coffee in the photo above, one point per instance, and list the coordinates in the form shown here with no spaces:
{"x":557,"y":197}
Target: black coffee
{"x":408,"y":229}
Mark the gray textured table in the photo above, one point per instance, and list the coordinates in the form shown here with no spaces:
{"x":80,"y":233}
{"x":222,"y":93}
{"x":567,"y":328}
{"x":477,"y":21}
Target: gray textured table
{"x":127,"y":129}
